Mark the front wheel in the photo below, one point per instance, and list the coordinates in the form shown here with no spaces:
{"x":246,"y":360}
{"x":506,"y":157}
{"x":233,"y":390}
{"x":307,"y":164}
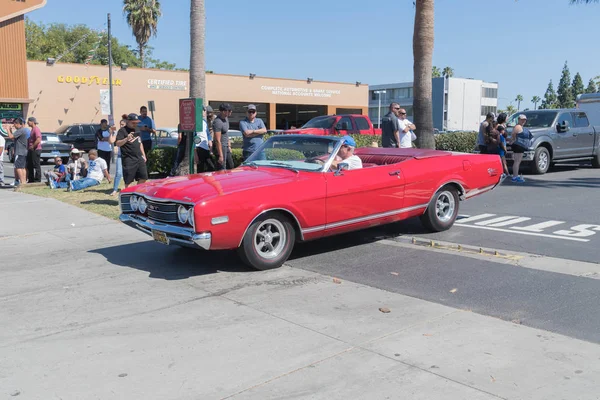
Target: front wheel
{"x":541,"y":161}
{"x":596,"y":160}
{"x":442,"y":210}
{"x":268,"y":242}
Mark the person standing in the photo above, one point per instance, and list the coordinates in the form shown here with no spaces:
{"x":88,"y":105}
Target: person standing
{"x":519,"y":144}
{"x":119,"y":163}
{"x":203,"y":143}
{"x":147,"y":128}
{"x":133,"y":155}
{"x":2,"y":146}
{"x":484,"y":129}
{"x":20,"y":138}
{"x":221,"y":147}
{"x":253,"y":130}
{"x":390,"y":127}
{"x":34,"y":151}
{"x":105,"y":137}
{"x":405,"y":128}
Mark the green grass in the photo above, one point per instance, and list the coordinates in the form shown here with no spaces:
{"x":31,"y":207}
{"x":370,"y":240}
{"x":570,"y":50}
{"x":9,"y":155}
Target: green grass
{"x":96,"y":199}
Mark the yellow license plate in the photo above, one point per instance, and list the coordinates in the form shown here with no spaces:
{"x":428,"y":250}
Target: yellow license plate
{"x":160,"y":237}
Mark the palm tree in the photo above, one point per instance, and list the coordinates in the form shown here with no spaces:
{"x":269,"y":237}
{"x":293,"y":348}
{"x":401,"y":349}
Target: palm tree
{"x":142,"y":16}
{"x":510,"y":110}
{"x":519,"y":99}
{"x":422,"y":69}
{"x":448,"y":72}
{"x":535,"y":100}
{"x":435,"y":72}
{"x":197,"y":67}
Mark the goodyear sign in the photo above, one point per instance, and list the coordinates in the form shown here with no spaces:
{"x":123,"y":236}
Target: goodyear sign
{"x":87,"y":80}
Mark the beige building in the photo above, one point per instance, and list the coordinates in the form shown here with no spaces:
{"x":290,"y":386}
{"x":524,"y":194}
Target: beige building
{"x":59,"y":93}
{"x":67,"y":93}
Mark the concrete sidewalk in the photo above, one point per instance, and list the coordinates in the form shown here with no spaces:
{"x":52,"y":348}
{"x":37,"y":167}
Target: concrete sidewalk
{"x":92,"y":309}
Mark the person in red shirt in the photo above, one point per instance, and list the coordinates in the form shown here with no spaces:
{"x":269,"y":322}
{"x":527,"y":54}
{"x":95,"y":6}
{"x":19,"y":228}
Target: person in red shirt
{"x":34,"y":151}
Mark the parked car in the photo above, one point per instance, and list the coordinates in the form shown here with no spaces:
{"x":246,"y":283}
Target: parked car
{"x":343,"y":124}
{"x":558,"y":135}
{"x":168,"y":131}
{"x":287,"y":192}
{"x":164,"y":138}
{"x":51,"y":148}
{"x":81,"y":136}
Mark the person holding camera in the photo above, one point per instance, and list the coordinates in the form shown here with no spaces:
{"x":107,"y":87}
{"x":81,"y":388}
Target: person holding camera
{"x":133,"y":156}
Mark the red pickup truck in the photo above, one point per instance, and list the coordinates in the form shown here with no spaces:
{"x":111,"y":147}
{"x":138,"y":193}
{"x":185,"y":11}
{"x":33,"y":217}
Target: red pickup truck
{"x":343,"y":124}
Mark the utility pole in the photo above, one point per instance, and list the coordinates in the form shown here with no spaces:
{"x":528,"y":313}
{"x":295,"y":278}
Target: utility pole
{"x":110,"y":79}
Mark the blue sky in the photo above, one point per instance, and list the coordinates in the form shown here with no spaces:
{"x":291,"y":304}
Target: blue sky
{"x":519,"y":44}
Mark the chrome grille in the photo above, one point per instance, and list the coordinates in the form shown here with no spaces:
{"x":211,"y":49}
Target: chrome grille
{"x":163,"y":212}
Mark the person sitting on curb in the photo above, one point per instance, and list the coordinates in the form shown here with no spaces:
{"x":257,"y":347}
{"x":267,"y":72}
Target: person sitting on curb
{"x":57,"y":178}
{"x":77,"y":166}
{"x":96,"y":171}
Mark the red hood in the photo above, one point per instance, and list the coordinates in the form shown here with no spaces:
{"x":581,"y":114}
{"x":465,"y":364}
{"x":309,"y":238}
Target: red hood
{"x":193,"y":188}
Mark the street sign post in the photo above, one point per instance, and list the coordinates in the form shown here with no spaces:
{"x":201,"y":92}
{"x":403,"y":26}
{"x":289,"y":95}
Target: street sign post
{"x":190,"y":120}
{"x":151,"y":108}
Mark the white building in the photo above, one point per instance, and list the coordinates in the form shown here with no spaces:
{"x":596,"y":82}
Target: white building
{"x":458,"y":104}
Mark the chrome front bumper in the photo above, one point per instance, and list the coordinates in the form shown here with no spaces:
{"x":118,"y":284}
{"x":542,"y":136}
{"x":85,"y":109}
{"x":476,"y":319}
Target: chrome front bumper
{"x":527,"y":156}
{"x":176,"y":235}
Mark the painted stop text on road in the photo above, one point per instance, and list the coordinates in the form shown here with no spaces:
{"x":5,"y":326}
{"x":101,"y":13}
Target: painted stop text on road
{"x":514,"y":224}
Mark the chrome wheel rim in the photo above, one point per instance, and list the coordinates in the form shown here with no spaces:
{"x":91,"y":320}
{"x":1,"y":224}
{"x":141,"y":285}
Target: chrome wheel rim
{"x":445,"y":206}
{"x":270,"y":239}
{"x":543,"y":161}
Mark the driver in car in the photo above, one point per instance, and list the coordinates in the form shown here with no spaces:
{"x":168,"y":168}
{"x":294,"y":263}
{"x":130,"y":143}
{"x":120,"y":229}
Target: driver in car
{"x":346,"y":154}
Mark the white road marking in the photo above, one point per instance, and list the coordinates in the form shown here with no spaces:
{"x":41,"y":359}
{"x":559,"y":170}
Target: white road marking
{"x":539,"y":228}
{"x":525,"y":233}
{"x":495,"y":220}
{"x":474,"y":218}
{"x":516,"y":220}
{"x":506,"y":223}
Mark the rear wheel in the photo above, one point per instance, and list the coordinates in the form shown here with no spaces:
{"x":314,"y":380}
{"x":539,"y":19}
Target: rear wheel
{"x":268,"y":242}
{"x":442,"y":210}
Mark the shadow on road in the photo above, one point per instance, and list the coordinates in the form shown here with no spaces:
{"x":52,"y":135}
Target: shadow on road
{"x":107,"y":202}
{"x":170,"y":262}
{"x":410,"y":226}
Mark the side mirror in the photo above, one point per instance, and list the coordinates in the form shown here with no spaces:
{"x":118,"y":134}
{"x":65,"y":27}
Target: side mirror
{"x":342,"y":167}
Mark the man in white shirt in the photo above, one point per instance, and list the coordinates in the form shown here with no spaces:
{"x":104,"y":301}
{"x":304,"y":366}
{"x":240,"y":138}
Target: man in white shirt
{"x":346,"y":154}
{"x":406,"y":128}
{"x":97,"y":169}
{"x":203,"y":142}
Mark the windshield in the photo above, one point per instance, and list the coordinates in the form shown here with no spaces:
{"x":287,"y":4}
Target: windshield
{"x":324,"y":122}
{"x":535,"y":119}
{"x":62,"y":129}
{"x":300,"y":153}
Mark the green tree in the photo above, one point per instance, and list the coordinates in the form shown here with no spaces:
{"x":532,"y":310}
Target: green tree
{"x":565,"y":91}
{"x":423,"y":38}
{"x":436,"y":72}
{"x":448,"y":72}
{"x":550,"y":99}
{"x":577,"y":86}
{"x":142,"y":16}
{"x":591,"y":88}
{"x":197,"y":66}
{"x":510,"y":110}
{"x":519,"y":99}
{"x":535,"y":100}
{"x":54,"y":40}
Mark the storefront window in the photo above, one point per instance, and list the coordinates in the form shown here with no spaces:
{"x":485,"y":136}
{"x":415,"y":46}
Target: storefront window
{"x":239,"y":112}
{"x":339,"y":111}
{"x":296,"y":115}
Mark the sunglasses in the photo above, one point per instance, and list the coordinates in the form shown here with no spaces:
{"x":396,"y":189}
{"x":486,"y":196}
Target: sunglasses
{"x":251,"y":111}
{"x":396,"y":108}
{"x":402,"y":113}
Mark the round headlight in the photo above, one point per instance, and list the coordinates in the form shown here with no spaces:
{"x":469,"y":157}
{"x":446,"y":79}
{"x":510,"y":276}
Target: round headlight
{"x":134,"y":203}
{"x":142,"y":205}
{"x":191,"y":216}
{"x":182,"y":214}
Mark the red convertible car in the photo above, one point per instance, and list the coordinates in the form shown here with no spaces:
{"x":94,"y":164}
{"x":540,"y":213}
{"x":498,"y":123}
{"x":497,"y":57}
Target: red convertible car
{"x":287,"y":192}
